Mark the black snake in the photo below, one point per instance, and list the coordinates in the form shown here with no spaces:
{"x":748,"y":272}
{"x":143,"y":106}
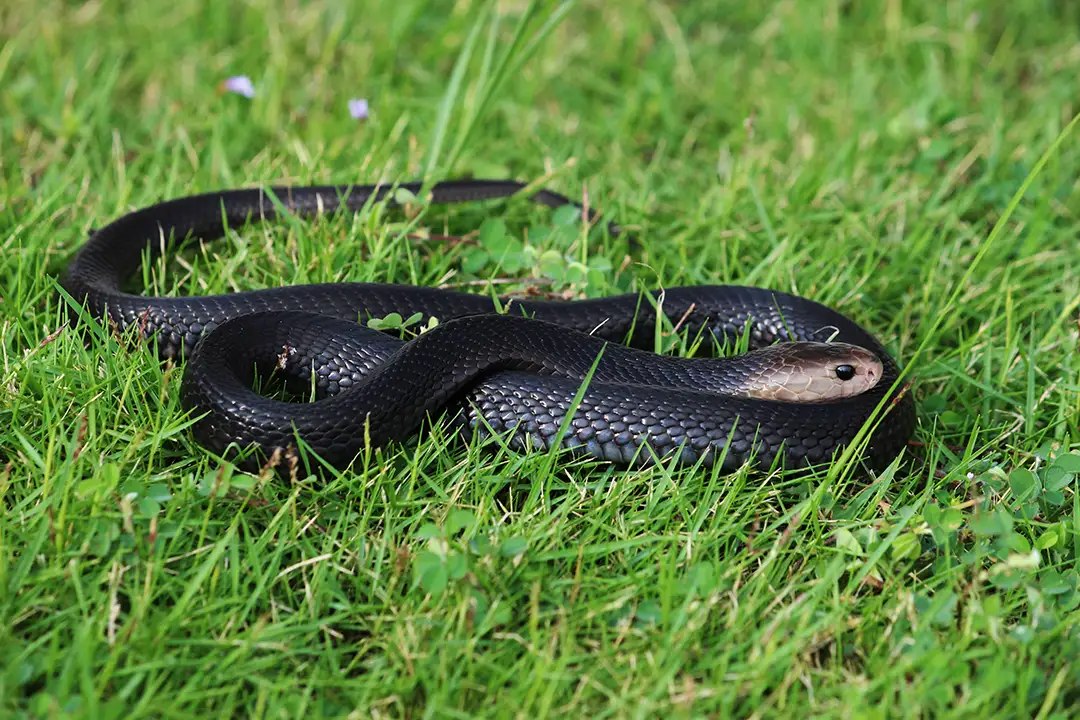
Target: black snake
{"x":793,"y":398}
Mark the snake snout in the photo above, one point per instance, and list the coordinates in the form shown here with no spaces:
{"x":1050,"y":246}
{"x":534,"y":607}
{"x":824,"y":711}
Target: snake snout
{"x":854,"y":372}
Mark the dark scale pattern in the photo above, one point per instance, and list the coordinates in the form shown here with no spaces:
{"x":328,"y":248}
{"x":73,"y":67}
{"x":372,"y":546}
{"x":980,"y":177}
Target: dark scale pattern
{"x":505,"y":371}
{"x":617,"y":422}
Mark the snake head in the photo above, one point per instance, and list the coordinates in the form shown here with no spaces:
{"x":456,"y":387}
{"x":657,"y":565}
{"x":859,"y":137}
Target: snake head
{"x":812,"y":372}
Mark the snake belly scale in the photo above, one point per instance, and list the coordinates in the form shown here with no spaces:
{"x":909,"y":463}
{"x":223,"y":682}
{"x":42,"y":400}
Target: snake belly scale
{"x":794,"y":399}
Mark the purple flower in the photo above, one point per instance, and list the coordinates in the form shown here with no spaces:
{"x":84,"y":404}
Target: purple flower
{"x":358,"y":108}
{"x":241,"y":85}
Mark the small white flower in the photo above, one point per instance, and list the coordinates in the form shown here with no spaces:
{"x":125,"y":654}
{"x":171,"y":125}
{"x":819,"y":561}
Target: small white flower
{"x":358,"y":108}
{"x":241,"y":85}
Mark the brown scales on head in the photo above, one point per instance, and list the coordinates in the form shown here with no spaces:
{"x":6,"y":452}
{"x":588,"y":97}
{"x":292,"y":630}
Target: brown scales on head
{"x":809,"y":372}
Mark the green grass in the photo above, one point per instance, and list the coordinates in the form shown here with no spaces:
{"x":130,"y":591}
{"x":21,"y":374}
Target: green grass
{"x":857,"y":153}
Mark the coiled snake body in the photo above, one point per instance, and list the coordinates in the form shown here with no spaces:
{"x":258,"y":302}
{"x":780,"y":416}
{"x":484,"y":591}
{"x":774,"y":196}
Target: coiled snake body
{"x":517,"y":372}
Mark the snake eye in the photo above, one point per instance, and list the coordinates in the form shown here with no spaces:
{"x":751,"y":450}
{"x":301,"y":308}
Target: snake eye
{"x":845,"y":372}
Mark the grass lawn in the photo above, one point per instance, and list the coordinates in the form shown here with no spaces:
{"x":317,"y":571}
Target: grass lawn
{"x":863,"y":154}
